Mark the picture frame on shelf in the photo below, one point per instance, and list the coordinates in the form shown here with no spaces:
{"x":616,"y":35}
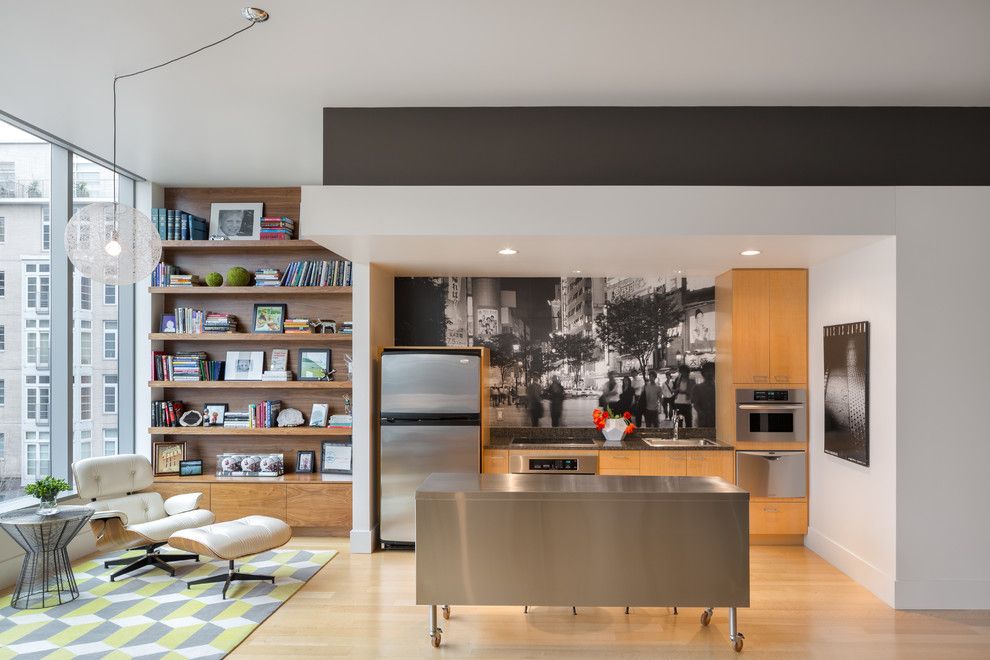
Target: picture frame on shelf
{"x":236,"y":221}
{"x":244,"y":365}
{"x":314,"y":364}
{"x":167,"y":457}
{"x":336,"y":457}
{"x":269,"y":318}
{"x":213,"y":414}
{"x":168,"y":324}
{"x":306,"y":461}
{"x":191,"y":468}
{"x":279,"y":359}
{"x":318,"y":416}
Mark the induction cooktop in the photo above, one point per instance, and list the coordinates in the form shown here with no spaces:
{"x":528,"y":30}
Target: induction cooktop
{"x":560,"y":441}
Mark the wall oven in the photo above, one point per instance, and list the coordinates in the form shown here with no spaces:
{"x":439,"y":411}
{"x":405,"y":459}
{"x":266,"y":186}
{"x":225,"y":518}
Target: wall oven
{"x":771,"y":415}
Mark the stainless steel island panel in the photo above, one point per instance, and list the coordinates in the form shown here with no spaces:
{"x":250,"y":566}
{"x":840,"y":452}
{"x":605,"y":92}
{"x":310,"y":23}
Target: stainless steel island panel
{"x":497,"y":539}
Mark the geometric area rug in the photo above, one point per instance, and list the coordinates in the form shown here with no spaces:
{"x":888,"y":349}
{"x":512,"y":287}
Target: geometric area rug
{"x":152,"y":615}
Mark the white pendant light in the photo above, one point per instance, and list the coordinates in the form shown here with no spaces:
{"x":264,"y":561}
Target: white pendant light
{"x":114,"y":243}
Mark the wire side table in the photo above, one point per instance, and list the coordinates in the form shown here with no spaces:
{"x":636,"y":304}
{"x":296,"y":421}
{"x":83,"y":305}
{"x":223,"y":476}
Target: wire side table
{"x":46,"y":577}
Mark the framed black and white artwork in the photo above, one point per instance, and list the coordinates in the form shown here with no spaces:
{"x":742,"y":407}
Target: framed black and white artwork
{"x":847,"y":391}
{"x":236,"y":221}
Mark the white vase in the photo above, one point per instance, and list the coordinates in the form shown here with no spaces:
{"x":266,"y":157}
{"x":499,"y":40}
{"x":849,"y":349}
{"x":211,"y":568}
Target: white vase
{"x":614,"y":429}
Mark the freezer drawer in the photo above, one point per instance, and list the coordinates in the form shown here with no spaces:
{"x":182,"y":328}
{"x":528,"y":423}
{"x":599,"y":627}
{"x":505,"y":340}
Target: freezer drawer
{"x":409,"y":454}
{"x":426,"y":383}
{"x":772,"y":473}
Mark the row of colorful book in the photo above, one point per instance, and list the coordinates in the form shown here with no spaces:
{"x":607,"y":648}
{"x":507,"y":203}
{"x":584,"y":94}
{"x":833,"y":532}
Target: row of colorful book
{"x":160,"y":276}
{"x":166,"y":413}
{"x":317,"y":273}
{"x":176,"y":225}
{"x":187,"y":320}
{"x":263,"y":414}
{"x":185,"y":366}
{"x":276,"y":229}
{"x":290,"y":326}
{"x":268,"y":277}
{"x":340,"y":422}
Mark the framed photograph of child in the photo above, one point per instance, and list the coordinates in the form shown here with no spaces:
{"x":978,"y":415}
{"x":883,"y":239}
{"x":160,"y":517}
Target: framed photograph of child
{"x":167,"y":457}
{"x":239,"y":221}
{"x":213,"y":414}
{"x":305,"y":461}
{"x":168,"y":323}
{"x":244,"y":365}
{"x":314,"y":364}
{"x":269,"y":317}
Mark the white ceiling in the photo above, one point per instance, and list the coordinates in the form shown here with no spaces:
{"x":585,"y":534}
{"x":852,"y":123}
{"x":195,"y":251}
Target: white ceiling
{"x":249,"y":112}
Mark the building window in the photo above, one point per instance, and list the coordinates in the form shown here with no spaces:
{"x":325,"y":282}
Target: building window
{"x":3,"y":229}
{"x":3,"y":398}
{"x":86,"y":343}
{"x":109,"y":340}
{"x":85,"y":444}
{"x":37,"y":280}
{"x":86,"y":398}
{"x":37,"y":336}
{"x":3,"y":337}
{"x":110,"y":394}
{"x":37,"y":391}
{"x":85,"y":293}
{"x":3,"y":445}
{"x":109,"y":294}
{"x":3,"y":284}
{"x":38,"y":453}
{"x":109,"y":442}
{"x":46,"y":229}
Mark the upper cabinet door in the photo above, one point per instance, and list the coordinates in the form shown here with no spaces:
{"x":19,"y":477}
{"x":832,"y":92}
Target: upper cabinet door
{"x":750,"y":326}
{"x":788,"y":326}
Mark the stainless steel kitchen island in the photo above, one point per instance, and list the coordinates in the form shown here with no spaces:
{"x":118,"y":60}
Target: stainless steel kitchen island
{"x":582,"y":540}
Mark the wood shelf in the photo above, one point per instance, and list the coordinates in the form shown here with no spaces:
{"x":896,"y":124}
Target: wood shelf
{"x":226,"y":430}
{"x":259,"y":337}
{"x":251,"y":384}
{"x":259,"y":291}
{"x":206,"y":247}
{"x":289,"y":477}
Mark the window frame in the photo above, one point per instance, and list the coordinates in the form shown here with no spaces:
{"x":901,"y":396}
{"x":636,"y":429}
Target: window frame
{"x":107,"y":331}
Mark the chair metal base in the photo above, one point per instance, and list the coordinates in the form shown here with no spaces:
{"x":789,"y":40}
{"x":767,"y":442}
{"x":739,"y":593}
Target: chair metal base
{"x":151,"y":557}
{"x":229,"y":577}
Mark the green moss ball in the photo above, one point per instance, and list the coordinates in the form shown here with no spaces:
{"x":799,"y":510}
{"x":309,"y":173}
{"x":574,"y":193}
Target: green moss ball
{"x":214,"y":279}
{"x":238,"y":276}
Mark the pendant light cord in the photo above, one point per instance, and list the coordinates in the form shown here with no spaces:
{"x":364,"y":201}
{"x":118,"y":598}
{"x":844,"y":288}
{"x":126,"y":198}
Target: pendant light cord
{"x":137,"y":73}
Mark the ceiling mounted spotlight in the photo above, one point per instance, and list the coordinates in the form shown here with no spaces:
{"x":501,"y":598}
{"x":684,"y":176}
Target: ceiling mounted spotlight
{"x":254,"y":14}
{"x":750,"y":253}
{"x":508,"y":251}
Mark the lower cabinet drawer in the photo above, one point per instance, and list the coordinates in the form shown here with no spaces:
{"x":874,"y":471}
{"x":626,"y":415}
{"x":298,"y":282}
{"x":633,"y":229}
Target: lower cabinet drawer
{"x":318,"y":505}
{"x":233,"y":501}
{"x":495,"y":461}
{"x":618,"y":462}
{"x":778,"y":518}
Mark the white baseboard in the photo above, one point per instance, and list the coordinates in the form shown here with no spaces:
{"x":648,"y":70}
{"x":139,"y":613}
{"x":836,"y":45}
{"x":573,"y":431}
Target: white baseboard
{"x":943,"y":595}
{"x":860,"y":570}
{"x":364,"y":541}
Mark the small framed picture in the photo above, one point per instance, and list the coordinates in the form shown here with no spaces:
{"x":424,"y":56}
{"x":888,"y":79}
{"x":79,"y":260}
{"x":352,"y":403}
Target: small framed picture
{"x":213,"y":414}
{"x":167,"y":457}
{"x":191,"y":468}
{"x":319,"y":415}
{"x":305,"y":461}
{"x":314,"y":364}
{"x":279,"y":359}
{"x":269,"y":317}
{"x":168,"y":323}
{"x":335,"y":457}
{"x":244,"y":365}
{"x":236,"y":221}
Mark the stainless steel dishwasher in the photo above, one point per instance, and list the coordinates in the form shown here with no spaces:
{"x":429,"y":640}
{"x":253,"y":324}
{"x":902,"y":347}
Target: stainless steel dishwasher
{"x":772,"y":473}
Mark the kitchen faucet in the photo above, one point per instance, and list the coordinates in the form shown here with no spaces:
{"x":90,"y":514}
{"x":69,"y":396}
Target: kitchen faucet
{"x":678,"y":419}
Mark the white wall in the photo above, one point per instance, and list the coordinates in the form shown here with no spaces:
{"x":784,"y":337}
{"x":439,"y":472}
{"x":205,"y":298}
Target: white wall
{"x":852,"y":509}
{"x":943,"y":396}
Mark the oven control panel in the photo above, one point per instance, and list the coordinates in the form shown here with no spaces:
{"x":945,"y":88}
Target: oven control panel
{"x":771,"y":395}
{"x":553,"y":465}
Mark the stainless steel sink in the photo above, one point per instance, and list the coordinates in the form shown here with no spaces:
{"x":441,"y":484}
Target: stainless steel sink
{"x":682,"y":442}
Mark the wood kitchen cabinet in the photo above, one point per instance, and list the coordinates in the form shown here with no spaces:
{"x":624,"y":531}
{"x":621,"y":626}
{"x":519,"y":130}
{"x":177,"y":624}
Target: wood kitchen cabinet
{"x":779,"y":518}
{"x":711,"y":464}
{"x":619,"y":462}
{"x":495,"y":461}
{"x":768,"y":328}
{"x":665,"y":464}
{"x":696,"y":463}
{"x":233,"y":501}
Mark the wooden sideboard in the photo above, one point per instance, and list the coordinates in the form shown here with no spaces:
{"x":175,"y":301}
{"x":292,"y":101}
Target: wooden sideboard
{"x":301,"y":500}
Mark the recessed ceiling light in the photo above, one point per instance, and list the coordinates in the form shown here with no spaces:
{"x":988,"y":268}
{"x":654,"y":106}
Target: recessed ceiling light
{"x":749,"y":253}
{"x":507,"y":251}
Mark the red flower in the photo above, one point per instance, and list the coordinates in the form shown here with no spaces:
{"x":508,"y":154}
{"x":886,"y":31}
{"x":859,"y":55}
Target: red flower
{"x":630,"y":429}
{"x":627,"y":415}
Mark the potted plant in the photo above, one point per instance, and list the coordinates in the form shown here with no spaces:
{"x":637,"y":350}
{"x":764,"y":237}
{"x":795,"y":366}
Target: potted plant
{"x":47,"y":489}
{"x":612,"y":426}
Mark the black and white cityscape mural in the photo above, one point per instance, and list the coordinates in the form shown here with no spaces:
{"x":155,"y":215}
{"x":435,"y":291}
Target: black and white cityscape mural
{"x":847,"y":387}
{"x":560,"y":347}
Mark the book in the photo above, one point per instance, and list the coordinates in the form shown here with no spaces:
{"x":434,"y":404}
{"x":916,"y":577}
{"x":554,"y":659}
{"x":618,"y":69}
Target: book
{"x":279,"y":360}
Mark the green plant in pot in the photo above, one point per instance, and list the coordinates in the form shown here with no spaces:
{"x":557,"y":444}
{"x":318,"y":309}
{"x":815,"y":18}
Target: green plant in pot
{"x":47,"y":489}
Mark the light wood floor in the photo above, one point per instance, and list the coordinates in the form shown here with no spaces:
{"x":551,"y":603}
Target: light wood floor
{"x":362,"y":606}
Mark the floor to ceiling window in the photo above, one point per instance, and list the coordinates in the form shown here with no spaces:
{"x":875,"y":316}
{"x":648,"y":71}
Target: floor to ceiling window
{"x":38,"y":345}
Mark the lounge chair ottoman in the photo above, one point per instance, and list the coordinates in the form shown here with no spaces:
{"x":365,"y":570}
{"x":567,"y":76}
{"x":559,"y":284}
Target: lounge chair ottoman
{"x":233,"y":540}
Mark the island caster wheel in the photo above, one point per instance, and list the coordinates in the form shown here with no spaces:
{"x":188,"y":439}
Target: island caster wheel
{"x":445,"y":611}
{"x":706,"y":617}
{"x":737,"y":643}
{"x":435,"y":640}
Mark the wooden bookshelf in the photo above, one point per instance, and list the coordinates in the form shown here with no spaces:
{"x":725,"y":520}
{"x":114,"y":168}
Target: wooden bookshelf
{"x":250,"y":384}
{"x":304,"y":495}
{"x":255,"y":337}
{"x":253,"y":291}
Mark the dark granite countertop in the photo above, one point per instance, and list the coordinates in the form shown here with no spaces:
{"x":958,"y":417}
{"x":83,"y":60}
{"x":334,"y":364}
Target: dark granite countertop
{"x":501,"y":438}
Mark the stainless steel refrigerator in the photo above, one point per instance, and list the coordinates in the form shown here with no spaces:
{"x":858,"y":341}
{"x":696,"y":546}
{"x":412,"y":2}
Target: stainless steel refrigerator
{"x":430,"y":422}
